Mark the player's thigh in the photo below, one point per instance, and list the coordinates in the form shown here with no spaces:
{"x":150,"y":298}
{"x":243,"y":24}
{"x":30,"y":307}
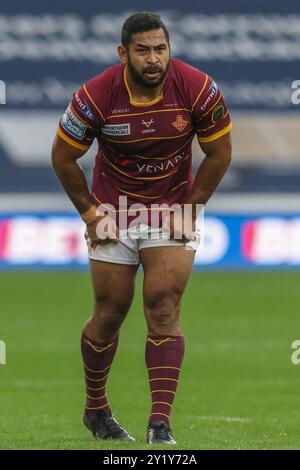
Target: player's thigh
{"x":166,"y":272}
{"x":113,"y":284}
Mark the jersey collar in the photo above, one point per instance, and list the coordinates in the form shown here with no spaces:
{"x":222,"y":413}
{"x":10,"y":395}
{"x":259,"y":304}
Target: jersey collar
{"x":148,"y":103}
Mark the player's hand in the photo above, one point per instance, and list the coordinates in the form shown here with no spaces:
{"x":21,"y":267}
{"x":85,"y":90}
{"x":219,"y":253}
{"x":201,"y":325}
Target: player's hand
{"x":102,"y":230}
{"x":181,"y":228}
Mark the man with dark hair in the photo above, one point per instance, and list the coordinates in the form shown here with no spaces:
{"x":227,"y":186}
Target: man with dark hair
{"x":144,"y":112}
{"x":139,"y":23}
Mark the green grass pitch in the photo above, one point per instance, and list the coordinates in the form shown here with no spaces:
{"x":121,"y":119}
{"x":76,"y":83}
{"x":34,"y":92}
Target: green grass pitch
{"x":238,"y":389}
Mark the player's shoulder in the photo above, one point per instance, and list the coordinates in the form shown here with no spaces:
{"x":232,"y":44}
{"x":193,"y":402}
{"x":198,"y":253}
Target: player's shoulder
{"x":105,"y":81}
{"x":189,"y":79}
{"x":99,"y":89}
{"x":187,"y":70}
{"x":187,"y":73}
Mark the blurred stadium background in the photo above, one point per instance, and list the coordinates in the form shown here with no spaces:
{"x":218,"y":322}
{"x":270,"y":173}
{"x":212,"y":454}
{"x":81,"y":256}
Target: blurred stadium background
{"x":252,"y":49}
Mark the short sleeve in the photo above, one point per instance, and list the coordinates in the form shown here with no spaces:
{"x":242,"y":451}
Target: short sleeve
{"x":211,"y":116}
{"x":80,"y":123}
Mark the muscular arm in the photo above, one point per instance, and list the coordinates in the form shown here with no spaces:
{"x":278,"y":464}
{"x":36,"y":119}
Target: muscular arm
{"x":70,"y":174}
{"x":209,"y":174}
{"x":73,"y":180}
{"x":212,"y":169}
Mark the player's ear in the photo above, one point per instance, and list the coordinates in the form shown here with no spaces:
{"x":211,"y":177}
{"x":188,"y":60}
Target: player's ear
{"x":122,"y":54}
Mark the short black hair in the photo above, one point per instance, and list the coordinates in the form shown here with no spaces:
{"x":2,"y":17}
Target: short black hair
{"x":140,"y":22}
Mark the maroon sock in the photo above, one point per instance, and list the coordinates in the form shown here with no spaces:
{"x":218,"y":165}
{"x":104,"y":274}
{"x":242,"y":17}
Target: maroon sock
{"x":164,"y":355}
{"x":97,"y":360}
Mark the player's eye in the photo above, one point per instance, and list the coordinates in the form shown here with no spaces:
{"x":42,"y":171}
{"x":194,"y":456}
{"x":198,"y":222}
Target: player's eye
{"x":160,"y":51}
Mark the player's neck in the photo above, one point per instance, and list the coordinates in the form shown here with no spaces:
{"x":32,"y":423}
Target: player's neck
{"x":142,"y":94}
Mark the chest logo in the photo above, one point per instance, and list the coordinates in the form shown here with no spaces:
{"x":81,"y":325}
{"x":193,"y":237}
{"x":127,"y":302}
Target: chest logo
{"x":180,"y":123}
{"x":116,"y":129}
{"x":148,"y":123}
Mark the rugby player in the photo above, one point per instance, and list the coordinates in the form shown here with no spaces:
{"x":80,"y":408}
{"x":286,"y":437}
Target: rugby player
{"x":144,"y":113}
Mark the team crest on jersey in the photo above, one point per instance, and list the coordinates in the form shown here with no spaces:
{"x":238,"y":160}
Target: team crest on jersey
{"x":116,"y":129}
{"x":218,"y":113}
{"x":180,"y":123}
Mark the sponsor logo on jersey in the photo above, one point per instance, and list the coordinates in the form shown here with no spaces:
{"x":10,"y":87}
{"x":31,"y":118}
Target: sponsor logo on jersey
{"x":180,"y":123}
{"x":72,"y":125}
{"x":218,"y":113}
{"x":116,"y":129}
{"x":162,"y":167}
{"x":84,"y":108}
{"x":212,"y":93}
{"x":148,"y":124}
{"x":120,"y":110}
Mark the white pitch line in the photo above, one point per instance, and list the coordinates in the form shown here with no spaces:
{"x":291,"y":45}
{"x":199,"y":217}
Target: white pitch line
{"x":47,"y":383}
{"x":228,"y":419}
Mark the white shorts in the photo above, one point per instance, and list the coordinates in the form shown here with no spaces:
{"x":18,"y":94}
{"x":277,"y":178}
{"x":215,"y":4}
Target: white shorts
{"x":134,"y":239}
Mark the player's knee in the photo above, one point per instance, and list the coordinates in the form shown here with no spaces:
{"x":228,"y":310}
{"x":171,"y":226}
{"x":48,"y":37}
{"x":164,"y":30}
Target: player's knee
{"x":163,"y":298}
{"x":161,"y":311}
{"x":106,"y":324}
{"x":110,"y":322}
{"x":114,"y":306}
{"x":163,"y":318}
{"x":108,"y":315}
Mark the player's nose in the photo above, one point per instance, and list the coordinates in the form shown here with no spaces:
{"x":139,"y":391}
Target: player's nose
{"x":152,"y":57}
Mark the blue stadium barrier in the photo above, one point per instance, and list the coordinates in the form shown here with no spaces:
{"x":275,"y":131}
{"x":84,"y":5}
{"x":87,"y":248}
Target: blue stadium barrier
{"x":55,"y":241}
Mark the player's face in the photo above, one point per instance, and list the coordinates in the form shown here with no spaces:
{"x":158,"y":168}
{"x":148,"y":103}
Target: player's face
{"x":148,"y":58}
